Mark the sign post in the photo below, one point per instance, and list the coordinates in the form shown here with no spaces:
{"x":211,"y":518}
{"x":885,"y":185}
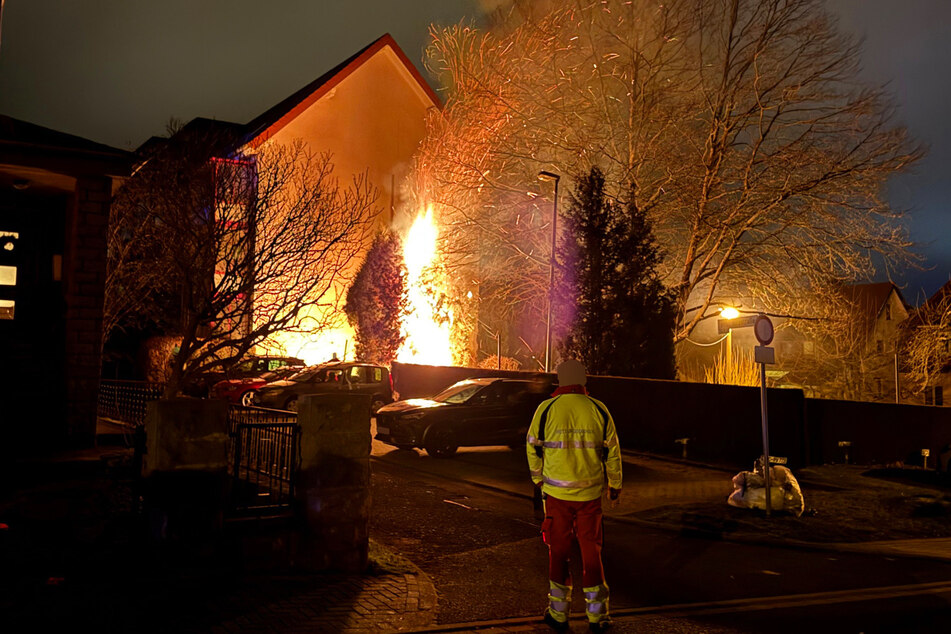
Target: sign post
{"x":763,"y":329}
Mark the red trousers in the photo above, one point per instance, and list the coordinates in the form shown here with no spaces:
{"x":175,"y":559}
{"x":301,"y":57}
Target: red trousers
{"x":566,"y":522}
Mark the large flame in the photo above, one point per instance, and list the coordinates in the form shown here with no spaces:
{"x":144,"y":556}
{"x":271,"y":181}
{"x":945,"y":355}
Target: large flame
{"x":426,"y":325}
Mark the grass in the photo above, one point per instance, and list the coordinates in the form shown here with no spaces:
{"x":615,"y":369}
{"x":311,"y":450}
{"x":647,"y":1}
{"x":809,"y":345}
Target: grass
{"x":844,"y":503}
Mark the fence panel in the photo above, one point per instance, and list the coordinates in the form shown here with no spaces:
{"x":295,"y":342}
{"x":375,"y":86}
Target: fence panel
{"x":124,"y":402}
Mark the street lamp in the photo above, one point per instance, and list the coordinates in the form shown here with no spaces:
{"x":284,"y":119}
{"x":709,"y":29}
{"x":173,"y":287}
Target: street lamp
{"x":729,"y":313}
{"x":543,"y":175}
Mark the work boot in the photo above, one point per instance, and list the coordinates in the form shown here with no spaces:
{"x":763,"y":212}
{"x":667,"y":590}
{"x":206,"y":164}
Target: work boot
{"x":550,"y":621}
{"x":600,"y":626}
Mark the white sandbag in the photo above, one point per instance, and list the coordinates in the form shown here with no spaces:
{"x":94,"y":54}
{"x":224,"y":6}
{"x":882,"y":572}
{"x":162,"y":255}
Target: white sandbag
{"x":749,"y":491}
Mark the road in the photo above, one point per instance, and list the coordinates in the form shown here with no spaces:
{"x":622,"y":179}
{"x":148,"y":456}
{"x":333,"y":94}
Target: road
{"x":468,"y":523}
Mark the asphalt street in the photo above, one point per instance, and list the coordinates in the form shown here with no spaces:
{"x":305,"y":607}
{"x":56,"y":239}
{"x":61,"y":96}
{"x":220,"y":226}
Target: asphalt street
{"x":468,"y":523}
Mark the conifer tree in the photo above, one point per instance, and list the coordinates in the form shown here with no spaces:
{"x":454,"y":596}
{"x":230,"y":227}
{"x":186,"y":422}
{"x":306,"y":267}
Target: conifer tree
{"x":623,"y":321}
{"x":375,"y":301}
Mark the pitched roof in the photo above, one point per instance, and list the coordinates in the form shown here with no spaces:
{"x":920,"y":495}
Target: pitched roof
{"x":265,"y":125}
{"x":23,"y":143}
{"x":870,"y":298}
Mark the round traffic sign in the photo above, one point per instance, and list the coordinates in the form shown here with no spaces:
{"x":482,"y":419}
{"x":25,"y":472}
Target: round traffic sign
{"x":763,"y":329}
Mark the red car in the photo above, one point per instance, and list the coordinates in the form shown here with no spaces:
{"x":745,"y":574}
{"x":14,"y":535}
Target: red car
{"x":243,"y":391}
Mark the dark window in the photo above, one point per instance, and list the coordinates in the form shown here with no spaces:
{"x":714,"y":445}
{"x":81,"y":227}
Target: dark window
{"x":888,"y":311}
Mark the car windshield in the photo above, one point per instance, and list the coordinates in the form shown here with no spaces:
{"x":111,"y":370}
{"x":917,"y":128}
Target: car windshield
{"x":459,"y":392}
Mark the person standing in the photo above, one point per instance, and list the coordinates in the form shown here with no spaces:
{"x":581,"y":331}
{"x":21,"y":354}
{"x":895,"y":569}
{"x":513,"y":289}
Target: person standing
{"x":573,"y":448}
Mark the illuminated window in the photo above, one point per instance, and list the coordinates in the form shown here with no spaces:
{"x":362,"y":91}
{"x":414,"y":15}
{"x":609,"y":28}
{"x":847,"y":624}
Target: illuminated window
{"x":8,"y":273}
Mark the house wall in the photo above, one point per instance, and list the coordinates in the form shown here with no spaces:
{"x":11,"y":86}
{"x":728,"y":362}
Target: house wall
{"x":84,"y":284}
{"x":372,"y":121}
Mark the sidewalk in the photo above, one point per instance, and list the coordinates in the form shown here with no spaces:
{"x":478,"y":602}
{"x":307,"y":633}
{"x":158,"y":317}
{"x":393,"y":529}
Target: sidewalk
{"x":59,"y":505}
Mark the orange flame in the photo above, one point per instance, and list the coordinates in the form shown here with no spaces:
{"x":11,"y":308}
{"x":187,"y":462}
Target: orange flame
{"x":426,"y":324}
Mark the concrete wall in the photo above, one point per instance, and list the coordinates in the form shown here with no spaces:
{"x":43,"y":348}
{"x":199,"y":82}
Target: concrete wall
{"x":878,"y":432}
{"x":333,"y":485}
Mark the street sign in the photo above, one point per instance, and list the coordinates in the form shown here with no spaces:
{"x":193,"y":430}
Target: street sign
{"x":764,"y":354}
{"x":763,"y":329}
{"x":725,"y":325}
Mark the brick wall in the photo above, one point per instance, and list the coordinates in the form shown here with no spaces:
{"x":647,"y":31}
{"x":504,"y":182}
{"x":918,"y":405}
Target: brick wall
{"x":84,"y":274}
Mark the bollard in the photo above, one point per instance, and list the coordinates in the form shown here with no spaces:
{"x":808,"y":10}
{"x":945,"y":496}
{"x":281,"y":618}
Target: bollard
{"x":683,"y":442}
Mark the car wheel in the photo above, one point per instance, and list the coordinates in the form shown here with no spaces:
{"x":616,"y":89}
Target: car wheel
{"x":291,"y":404}
{"x":439,"y":443}
{"x":247,"y":399}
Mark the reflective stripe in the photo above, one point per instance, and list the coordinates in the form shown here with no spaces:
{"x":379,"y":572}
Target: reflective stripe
{"x":531,"y":440}
{"x":536,"y":472}
{"x":596,"y":602}
{"x":570,"y":444}
{"x":572,"y":484}
{"x":559,"y":600}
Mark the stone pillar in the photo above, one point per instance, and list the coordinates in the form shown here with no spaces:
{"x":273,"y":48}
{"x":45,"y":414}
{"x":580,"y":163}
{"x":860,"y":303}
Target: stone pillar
{"x":186,"y":468}
{"x":333,"y":486}
{"x":84,"y":275}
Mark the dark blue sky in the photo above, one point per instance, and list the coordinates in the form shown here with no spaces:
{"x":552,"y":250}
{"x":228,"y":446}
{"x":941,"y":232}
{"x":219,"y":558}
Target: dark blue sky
{"x":115,"y":71}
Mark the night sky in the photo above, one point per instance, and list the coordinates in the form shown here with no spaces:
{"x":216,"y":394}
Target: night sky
{"x":115,"y":71}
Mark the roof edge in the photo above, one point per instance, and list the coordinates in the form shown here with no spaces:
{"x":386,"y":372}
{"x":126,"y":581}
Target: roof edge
{"x":273,"y":120}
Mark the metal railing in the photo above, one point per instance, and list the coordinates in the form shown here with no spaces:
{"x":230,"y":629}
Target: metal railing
{"x":124,"y":402}
{"x":264,"y":458}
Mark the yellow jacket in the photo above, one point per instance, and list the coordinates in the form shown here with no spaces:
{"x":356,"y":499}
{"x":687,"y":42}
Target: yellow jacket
{"x":571,"y":465}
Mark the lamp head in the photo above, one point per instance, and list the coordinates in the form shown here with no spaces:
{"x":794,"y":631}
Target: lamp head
{"x":728,"y":312}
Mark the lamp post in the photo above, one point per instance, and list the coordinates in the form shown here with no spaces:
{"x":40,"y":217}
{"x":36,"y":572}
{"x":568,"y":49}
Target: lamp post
{"x":543,"y":175}
{"x":729,"y":313}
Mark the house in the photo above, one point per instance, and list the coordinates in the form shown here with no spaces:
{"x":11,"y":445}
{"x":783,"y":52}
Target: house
{"x":55,"y":192}
{"x":370,"y":113}
{"x":848,"y":356}
{"x":927,"y":350}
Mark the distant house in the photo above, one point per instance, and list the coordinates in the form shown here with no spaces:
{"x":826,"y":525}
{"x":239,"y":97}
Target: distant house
{"x":856,"y":363}
{"x":369,"y":112}
{"x":55,"y":192}
{"x":932,"y":323}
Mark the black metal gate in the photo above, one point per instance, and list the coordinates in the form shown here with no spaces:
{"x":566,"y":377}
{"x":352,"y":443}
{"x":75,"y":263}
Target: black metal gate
{"x":264,"y":459}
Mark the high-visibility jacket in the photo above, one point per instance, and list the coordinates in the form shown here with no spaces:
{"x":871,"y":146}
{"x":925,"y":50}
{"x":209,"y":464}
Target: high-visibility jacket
{"x":579,"y":448}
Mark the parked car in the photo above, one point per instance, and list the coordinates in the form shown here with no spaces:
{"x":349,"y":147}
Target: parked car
{"x":328,"y":378}
{"x":243,"y":390}
{"x":474,"y":412}
{"x":251,"y":366}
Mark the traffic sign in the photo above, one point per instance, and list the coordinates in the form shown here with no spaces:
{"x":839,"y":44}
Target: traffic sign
{"x":725,"y":325}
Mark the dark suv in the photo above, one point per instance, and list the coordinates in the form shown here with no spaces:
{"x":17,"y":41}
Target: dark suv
{"x":470,"y":413}
{"x":329,"y":378}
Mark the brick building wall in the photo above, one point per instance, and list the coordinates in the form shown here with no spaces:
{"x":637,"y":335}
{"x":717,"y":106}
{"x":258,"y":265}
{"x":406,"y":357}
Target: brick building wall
{"x":84,"y":283}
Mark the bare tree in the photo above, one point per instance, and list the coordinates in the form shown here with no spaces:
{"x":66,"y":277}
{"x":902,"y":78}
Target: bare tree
{"x":739,"y":125}
{"x":927,"y":342}
{"x":233,"y":248}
